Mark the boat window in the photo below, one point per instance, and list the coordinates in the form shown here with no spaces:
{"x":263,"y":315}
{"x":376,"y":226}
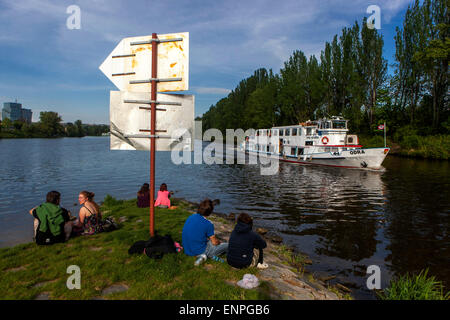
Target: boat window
{"x":300,"y":151}
{"x":268,"y":149}
{"x":308,"y":143}
{"x":339,"y":124}
{"x":293,"y":151}
{"x":257,"y":133}
{"x":275,"y":132}
{"x":294,"y":131}
{"x":288,"y":132}
{"x":281,"y":132}
{"x":308,"y":131}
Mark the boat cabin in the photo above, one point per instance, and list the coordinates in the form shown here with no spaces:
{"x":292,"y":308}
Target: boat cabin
{"x":310,"y":137}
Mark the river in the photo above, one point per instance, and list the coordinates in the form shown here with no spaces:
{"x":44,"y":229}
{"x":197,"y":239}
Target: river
{"x":343,"y":219}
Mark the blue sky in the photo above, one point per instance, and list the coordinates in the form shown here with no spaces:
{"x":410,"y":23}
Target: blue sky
{"x":46,"y":66}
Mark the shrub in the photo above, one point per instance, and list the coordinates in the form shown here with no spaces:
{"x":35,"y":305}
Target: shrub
{"x":110,"y":201}
{"x":418,"y":287}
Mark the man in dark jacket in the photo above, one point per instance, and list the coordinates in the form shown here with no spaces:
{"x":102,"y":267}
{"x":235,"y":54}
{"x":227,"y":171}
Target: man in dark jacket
{"x":243,"y":241}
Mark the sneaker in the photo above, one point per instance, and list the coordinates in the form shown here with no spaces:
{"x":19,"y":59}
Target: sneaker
{"x":200,"y":259}
{"x":216,"y":258}
{"x":262,"y":265}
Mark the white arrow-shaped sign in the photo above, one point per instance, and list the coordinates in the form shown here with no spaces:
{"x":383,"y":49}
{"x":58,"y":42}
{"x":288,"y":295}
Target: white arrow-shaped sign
{"x":129,"y":65}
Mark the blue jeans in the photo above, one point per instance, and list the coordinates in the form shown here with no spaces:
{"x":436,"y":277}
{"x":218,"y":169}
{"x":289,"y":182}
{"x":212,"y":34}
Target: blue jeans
{"x":212,"y":250}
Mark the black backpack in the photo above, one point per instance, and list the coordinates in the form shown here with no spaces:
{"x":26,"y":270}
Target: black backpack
{"x":155,"y":247}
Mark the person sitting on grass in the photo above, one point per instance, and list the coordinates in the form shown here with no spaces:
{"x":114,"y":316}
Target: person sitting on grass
{"x":198,"y":236}
{"x":245,"y":247}
{"x":162,"y":200}
{"x":90,"y":218}
{"x":51,"y":222}
{"x":143,"y":196}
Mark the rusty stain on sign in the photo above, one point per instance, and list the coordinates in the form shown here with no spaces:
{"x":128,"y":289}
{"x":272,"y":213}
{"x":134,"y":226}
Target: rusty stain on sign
{"x":173,"y":62}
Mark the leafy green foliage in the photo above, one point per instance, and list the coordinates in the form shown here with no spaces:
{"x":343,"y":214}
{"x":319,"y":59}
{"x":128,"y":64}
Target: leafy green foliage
{"x":345,"y":81}
{"x":50,"y":126}
{"x":350,"y":79}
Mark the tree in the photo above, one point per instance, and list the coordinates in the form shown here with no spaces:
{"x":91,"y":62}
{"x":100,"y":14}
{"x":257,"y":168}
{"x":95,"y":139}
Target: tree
{"x":79,"y":127}
{"x":374,"y":66}
{"x":434,"y":53}
{"x":18,"y":125}
{"x":50,"y":124}
{"x":6,"y":123}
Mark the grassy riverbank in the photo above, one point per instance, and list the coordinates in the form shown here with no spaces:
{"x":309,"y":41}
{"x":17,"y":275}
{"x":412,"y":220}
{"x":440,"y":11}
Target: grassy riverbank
{"x":30,"y":271}
{"x":414,"y":146}
{"x":415,"y":287}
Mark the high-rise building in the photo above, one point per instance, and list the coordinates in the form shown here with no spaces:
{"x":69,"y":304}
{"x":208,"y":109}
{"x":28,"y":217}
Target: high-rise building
{"x":14,"y":111}
{"x":27,"y":115}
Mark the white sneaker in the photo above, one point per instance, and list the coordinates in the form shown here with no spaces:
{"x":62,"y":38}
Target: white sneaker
{"x":262,"y":265}
{"x":200,"y":259}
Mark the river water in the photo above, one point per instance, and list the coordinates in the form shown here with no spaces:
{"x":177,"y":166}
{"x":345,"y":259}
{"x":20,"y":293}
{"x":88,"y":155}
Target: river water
{"x":343,"y":219}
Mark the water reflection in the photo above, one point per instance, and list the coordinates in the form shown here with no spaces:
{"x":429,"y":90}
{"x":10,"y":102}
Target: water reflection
{"x":419,"y":221}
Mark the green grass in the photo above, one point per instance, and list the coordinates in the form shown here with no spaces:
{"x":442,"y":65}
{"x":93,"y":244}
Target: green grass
{"x":104,"y":260}
{"x":297,"y":260}
{"x":415,"y":287}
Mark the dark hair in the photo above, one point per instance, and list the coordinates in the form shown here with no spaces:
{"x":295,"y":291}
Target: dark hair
{"x":206,"y":207}
{"x":145,"y":188}
{"x":163,"y":187}
{"x":245,"y":218}
{"x":53,"y":197}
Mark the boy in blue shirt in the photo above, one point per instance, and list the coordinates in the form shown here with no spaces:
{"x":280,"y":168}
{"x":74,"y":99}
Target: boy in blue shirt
{"x":198,"y":234}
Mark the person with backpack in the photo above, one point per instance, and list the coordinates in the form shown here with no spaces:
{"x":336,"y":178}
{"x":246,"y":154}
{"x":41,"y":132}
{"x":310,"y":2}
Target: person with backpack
{"x":52,"y":223}
{"x":198,"y":236}
{"x":245,"y":247}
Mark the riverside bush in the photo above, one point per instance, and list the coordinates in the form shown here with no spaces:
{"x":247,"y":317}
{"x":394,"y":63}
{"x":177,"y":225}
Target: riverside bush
{"x":415,"y":287}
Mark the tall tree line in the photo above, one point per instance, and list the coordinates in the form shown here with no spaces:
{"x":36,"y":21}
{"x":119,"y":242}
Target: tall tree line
{"x":50,"y":126}
{"x":350,"y":79}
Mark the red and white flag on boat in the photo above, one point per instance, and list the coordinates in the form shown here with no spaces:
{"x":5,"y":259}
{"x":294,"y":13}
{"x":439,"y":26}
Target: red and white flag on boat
{"x":381,"y":127}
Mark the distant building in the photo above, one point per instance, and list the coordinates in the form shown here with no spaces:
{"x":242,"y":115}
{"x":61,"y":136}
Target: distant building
{"x":14,"y":111}
{"x":27,"y":115}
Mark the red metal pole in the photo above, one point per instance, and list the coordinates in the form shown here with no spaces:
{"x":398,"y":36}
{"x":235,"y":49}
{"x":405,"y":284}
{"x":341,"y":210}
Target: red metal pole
{"x":153,"y":132}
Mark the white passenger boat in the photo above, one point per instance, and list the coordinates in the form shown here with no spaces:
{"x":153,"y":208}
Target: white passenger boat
{"x":323,"y":142}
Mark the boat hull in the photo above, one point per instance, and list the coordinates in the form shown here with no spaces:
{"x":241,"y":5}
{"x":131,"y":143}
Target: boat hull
{"x":371,"y":158}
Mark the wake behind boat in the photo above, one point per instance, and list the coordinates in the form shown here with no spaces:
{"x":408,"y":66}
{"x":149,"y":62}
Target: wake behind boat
{"x":323,"y":142}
